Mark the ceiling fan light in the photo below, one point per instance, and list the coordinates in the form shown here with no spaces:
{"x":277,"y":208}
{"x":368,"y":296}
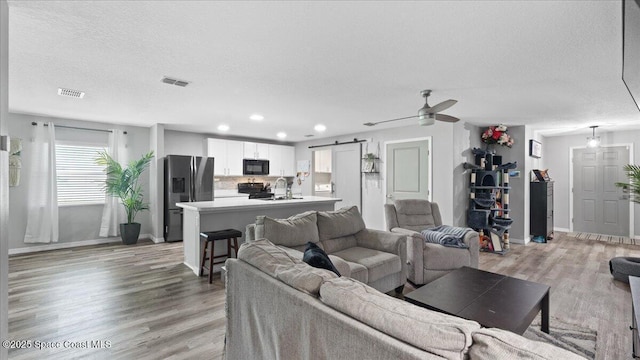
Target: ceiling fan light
{"x":426,"y":119}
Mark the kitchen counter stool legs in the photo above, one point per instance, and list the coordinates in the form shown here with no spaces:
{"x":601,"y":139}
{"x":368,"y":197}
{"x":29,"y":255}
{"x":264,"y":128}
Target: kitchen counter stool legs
{"x":231,"y":235}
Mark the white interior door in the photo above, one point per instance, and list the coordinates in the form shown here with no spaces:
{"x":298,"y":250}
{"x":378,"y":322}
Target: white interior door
{"x":345,"y":175}
{"x":408,"y":170}
{"x":598,"y":205}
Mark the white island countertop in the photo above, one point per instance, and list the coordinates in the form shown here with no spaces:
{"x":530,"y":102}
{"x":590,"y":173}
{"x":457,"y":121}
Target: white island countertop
{"x":235,"y":203}
{"x":236,"y":213}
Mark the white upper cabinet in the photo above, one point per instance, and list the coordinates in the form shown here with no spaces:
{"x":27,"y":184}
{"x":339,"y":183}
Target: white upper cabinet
{"x":227,"y":156}
{"x":281,"y":160}
{"x":322,"y":159}
{"x":254,"y":150}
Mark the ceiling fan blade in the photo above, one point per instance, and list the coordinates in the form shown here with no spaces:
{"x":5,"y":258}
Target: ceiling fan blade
{"x":442,"y":106}
{"x":447,"y":118}
{"x":384,"y":121}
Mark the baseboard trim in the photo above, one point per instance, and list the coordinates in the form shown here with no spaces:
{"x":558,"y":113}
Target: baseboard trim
{"x":63,"y":245}
{"x":520,"y":241}
{"x":561,"y":229}
{"x":66,"y":245}
{"x":156,"y":240}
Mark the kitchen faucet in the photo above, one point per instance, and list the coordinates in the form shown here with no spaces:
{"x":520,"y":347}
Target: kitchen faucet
{"x":280,"y":187}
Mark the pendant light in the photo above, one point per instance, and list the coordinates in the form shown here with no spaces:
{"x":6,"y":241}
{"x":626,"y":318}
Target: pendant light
{"x":593,"y":140}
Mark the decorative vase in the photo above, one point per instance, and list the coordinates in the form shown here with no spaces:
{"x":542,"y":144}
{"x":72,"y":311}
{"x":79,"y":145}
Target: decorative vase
{"x":129,"y":233}
{"x":489,"y":148}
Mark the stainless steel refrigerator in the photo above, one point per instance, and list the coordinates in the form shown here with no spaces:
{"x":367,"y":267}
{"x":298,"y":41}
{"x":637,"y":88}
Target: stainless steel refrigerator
{"x":186,"y":179}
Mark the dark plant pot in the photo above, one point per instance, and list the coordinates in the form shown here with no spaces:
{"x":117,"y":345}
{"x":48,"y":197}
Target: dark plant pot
{"x":129,"y":233}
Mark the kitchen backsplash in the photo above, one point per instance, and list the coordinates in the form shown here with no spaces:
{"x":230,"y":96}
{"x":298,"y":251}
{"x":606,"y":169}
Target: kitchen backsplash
{"x":231,"y":182}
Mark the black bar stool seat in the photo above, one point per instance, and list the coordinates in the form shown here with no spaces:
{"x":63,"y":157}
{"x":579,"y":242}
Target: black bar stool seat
{"x":231,"y":235}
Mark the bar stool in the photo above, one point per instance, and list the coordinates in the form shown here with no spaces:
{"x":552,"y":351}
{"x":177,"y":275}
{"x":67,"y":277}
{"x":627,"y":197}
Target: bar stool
{"x":231,"y":235}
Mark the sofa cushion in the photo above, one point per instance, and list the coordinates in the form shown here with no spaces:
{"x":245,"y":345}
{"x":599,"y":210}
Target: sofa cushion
{"x":316,"y":257}
{"x":339,"y":223}
{"x":492,"y":344}
{"x":436,"y":333}
{"x":294,"y":231}
{"x":264,"y":255}
{"x":379,"y":264}
{"x":304,"y":277}
{"x":358,"y":272}
{"x":334,"y":245}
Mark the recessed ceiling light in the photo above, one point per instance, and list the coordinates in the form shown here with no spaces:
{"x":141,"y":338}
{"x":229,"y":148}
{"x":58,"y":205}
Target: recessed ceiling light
{"x":256,"y":117}
{"x":223,"y":127}
{"x":319,"y":128}
{"x":281,"y":134}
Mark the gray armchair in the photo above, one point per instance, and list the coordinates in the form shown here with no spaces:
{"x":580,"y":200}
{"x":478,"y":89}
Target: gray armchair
{"x":427,"y":261}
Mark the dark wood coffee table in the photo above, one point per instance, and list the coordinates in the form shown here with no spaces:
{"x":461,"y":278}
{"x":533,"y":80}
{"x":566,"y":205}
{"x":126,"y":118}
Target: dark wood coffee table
{"x":491,"y":299}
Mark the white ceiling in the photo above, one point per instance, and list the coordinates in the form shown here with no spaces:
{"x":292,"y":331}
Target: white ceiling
{"x":544,"y":63}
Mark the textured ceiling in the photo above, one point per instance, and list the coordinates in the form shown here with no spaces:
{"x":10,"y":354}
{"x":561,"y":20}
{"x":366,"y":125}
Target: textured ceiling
{"x":546,"y":63}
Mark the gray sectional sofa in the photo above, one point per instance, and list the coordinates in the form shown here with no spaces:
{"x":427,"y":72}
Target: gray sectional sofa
{"x":278,"y":307}
{"x":374,"y":257}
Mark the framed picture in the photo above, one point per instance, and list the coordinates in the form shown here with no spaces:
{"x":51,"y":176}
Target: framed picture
{"x":368,"y":167}
{"x":535,"y":149}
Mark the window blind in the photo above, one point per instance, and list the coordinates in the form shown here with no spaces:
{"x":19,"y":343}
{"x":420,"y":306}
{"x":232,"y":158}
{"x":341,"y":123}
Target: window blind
{"x":80,"y":179}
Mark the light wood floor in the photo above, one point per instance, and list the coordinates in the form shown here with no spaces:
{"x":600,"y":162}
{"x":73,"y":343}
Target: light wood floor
{"x":149,"y":306}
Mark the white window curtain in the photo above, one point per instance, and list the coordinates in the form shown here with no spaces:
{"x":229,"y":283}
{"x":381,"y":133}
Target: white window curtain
{"x":113,"y":212}
{"x":42,"y":198}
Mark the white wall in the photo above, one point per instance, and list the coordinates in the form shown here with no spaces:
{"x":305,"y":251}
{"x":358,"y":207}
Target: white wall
{"x":185,"y":143}
{"x":450,"y":141}
{"x":555,"y":156}
{"x":77,"y":223}
{"x":156,"y":183}
{"x":4,"y":203}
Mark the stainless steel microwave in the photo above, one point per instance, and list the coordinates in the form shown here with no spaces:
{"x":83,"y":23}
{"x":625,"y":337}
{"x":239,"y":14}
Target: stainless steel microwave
{"x":255,"y":167}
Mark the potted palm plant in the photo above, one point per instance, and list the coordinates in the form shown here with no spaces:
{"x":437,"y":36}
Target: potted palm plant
{"x":633,"y":186}
{"x":123,"y":183}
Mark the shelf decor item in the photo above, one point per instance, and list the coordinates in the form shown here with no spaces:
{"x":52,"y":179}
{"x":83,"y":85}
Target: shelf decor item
{"x":369,"y":163}
{"x":497,"y":135}
{"x":123,"y":183}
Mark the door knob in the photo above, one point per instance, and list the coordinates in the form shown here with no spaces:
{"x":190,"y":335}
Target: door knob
{"x":389,"y":196}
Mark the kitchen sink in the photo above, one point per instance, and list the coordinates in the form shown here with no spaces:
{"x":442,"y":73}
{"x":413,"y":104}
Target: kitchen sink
{"x":281,"y":198}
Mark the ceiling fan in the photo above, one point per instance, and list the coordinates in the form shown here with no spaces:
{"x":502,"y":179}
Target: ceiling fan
{"x":427,"y":115}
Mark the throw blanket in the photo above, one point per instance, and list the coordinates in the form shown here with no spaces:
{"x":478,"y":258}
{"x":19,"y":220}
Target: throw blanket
{"x":445,"y":235}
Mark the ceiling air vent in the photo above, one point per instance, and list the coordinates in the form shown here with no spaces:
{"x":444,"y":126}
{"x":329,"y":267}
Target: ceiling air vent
{"x":309,"y":135}
{"x":70,"y":93}
{"x":176,"y":82}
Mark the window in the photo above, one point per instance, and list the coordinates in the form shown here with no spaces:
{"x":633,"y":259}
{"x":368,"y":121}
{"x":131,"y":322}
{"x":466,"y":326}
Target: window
{"x":80,"y":179}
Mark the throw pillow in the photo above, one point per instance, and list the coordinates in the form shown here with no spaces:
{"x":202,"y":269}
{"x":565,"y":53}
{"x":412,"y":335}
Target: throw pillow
{"x":316,"y":257}
{"x":291,"y":232}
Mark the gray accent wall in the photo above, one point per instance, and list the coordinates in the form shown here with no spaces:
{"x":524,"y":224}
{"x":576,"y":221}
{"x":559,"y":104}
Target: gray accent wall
{"x":77,"y":223}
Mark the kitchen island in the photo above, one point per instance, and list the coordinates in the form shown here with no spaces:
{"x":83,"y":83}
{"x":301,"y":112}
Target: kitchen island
{"x":236,"y":213}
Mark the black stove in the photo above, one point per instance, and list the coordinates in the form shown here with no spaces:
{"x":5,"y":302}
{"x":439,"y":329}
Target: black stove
{"x":255,"y":190}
